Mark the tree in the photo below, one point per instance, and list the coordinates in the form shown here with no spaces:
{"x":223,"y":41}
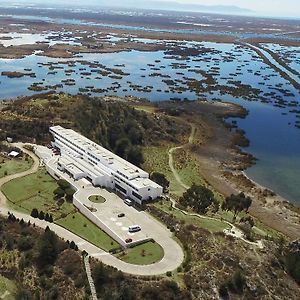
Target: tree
{"x":63,"y":184}
{"x":59,"y":192}
{"x":24,"y":243}
{"x":122,"y":146}
{"x":292,"y":264}
{"x":47,"y":217}
{"x":23,"y":294}
{"x":160,"y":179}
{"x":34,"y":213}
{"x":237,"y":203}
{"x":69,"y":194}
{"x":100,"y":275}
{"x":198,"y":198}
{"x":41,"y":215}
{"x":236,"y":283}
{"x":72,"y":245}
{"x":135,"y":155}
{"x":48,"y":248}
{"x":223,"y":292}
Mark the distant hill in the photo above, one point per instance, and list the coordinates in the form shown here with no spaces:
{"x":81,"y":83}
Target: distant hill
{"x":142,"y":4}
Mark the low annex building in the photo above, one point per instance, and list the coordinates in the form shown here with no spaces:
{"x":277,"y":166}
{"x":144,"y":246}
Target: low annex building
{"x":82,"y":158}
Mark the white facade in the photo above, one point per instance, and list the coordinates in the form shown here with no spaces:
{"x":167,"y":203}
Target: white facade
{"x":82,"y":158}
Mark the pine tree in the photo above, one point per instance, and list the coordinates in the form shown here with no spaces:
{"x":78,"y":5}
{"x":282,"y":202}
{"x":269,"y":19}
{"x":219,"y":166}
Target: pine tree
{"x":47,"y":217}
{"x":41,"y":215}
{"x":34,"y":213}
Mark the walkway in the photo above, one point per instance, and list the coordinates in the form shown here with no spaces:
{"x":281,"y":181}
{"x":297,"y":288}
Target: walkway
{"x":89,"y":276}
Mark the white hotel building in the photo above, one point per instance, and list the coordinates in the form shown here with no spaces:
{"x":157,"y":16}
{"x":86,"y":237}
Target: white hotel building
{"x":82,"y":158}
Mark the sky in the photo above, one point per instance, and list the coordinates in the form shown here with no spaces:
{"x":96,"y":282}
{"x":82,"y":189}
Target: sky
{"x":277,"y":8}
{"x":281,"y":8}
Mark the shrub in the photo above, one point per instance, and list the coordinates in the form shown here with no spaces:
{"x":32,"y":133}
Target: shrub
{"x":59,"y":192}
{"x":41,"y":215}
{"x":24,"y":243}
{"x":63,"y":184}
{"x":72,"y":245}
{"x":34,"y":213}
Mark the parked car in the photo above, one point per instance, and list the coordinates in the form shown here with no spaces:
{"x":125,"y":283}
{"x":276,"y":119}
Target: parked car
{"x":128,"y":202}
{"x":121,"y":215}
{"x":129,"y":240}
{"x":134,"y":228}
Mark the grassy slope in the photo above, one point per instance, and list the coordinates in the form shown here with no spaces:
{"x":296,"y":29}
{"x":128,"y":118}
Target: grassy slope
{"x":36,"y":191}
{"x":80,"y":225}
{"x":12,"y":166}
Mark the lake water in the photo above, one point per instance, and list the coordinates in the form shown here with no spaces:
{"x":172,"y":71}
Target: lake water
{"x":275,"y":140}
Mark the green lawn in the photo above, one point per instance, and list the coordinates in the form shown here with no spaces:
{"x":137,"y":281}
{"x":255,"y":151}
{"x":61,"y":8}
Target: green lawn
{"x":97,"y":199}
{"x":13,"y":166}
{"x":8,"y":289}
{"x":210,"y":225}
{"x":143,"y":254}
{"x":36,"y":191}
{"x":80,"y":225}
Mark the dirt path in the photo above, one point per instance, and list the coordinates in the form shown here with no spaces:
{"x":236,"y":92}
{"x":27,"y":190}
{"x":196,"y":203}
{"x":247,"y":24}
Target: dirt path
{"x":171,"y":159}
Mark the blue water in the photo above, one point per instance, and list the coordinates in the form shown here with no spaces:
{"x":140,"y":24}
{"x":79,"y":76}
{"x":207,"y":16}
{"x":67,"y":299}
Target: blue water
{"x":275,"y":140}
{"x":276,"y":144}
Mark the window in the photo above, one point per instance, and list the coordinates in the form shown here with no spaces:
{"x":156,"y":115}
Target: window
{"x":137,"y":195}
{"x":118,"y":187}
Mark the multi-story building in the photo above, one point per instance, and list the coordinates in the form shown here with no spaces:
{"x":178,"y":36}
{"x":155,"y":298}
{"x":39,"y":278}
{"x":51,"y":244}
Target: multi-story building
{"x":82,"y":158}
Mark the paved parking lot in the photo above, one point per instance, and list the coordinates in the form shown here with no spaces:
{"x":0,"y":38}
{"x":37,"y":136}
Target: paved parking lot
{"x":108,"y":212}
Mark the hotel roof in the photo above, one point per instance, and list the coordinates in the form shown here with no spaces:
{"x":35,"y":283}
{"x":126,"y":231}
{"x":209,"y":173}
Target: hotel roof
{"x":107,"y":158}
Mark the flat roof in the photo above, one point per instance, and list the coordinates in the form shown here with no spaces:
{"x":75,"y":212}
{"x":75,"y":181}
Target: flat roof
{"x":110,"y":160}
{"x":14,"y":153}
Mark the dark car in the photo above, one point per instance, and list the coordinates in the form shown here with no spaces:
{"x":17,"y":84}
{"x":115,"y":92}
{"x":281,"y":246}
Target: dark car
{"x":121,"y":215}
{"x":129,"y":240}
